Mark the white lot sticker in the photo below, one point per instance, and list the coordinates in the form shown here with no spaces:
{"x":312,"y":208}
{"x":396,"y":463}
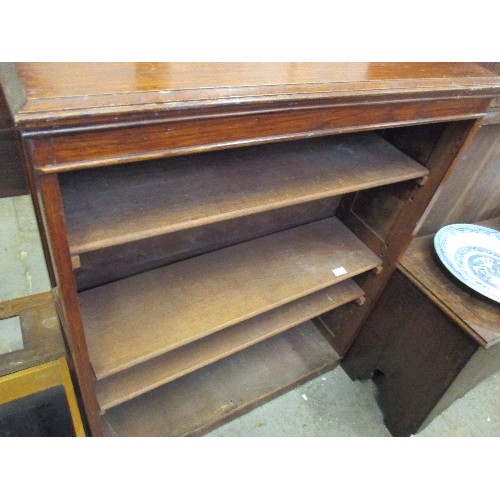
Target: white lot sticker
{"x":339,"y":271}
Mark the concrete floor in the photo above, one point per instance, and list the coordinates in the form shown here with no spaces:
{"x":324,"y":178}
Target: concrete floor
{"x":22,"y":265}
{"x":334,"y":405}
{"x":329,"y":405}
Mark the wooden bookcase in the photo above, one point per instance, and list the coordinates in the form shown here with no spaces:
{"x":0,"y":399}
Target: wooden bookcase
{"x":216,"y":238}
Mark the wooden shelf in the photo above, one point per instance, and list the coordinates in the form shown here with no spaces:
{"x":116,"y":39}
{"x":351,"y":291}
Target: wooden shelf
{"x":135,"y":319}
{"x":198,"y":402}
{"x":477,"y":315}
{"x":108,"y":207}
{"x":139,"y":379}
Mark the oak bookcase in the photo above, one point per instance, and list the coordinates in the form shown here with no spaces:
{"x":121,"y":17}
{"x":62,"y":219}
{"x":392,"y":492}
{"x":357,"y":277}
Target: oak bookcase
{"x":219,"y":233}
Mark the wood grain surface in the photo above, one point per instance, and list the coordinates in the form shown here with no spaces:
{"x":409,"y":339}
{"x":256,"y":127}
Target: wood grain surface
{"x":414,"y":353}
{"x":52,"y":217}
{"x":471,"y":192}
{"x":122,"y":204}
{"x":141,"y":378}
{"x":86,"y":115}
{"x":15,"y":307}
{"x":67,"y":149}
{"x":82,"y":92}
{"x":453,"y":141}
{"x":198,"y":402}
{"x":135,"y":319}
{"x":121,"y":261}
{"x":477,"y":315}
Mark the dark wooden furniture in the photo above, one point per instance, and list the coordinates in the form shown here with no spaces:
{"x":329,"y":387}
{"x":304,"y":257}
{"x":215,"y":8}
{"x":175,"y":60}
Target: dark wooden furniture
{"x":439,"y":340}
{"x":12,"y":174}
{"x":198,"y":216}
{"x":442,"y":338}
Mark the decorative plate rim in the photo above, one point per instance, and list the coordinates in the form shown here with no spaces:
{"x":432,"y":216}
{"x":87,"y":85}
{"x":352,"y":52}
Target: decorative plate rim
{"x":440,"y":239}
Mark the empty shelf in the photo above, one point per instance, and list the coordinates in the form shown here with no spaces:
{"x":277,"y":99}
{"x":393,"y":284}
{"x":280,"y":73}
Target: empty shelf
{"x":146,"y":376}
{"x":107,"y":207}
{"x":135,"y":319}
{"x":196,"y":403}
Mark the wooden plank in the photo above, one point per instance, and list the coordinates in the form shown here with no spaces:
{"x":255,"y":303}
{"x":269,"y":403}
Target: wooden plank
{"x":477,"y":315}
{"x":126,"y":203}
{"x":196,"y":403}
{"x":71,"y":397}
{"x":471,"y":192}
{"x":412,"y":351}
{"x":44,"y":94}
{"x":25,"y":382}
{"x":96,"y":147}
{"x":15,"y":307}
{"x":128,"y":82}
{"x":52,"y":216}
{"x":118,"y":262}
{"x":130,"y":383}
{"x":138,"y":318}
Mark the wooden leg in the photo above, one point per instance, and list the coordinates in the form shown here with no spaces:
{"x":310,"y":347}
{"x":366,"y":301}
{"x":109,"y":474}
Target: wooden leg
{"x":70,"y":395}
{"x":414,"y":352}
{"x":68,"y":304}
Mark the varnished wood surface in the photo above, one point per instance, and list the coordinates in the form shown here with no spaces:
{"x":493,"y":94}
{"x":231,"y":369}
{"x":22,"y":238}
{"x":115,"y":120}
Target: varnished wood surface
{"x":41,"y":93}
{"x":130,"y":383}
{"x":122,"y":204}
{"x":55,"y":80}
{"x":74,"y":125}
{"x":135,"y":319}
{"x":52,"y":217}
{"x":415,"y":352}
{"x":204,"y":399}
{"x":68,"y":149}
{"x":477,"y":315}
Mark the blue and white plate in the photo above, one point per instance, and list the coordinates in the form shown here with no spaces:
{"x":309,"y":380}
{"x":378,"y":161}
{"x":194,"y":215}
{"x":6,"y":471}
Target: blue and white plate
{"x":472,"y":254}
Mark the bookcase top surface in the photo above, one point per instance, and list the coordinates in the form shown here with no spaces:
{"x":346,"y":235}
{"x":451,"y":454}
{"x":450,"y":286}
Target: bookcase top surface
{"x":81,"y":93}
